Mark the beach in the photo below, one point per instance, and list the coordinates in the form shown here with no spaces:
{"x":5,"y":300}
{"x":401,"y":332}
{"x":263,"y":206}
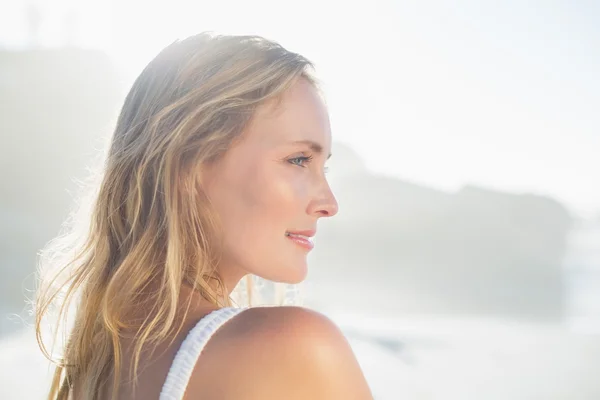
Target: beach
{"x":414,"y":358}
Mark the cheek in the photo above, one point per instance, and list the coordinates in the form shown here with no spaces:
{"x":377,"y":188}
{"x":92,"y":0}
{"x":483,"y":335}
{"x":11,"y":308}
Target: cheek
{"x":260,"y":204}
{"x":272,"y":195}
{"x":257,"y":207}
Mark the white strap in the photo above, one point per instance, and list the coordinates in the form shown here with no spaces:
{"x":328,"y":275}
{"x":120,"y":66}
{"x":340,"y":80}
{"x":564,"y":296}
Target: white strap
{"x":187,"y":355}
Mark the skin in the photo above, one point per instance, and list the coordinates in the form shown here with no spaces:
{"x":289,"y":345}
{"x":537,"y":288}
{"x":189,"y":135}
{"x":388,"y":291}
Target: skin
{"x":272,"y":181}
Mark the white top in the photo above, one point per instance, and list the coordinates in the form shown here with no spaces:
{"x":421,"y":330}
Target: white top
{"x":191,"y":348}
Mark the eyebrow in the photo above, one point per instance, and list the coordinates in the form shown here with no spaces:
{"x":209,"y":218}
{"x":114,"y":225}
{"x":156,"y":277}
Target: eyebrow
{"x":314,"y":146}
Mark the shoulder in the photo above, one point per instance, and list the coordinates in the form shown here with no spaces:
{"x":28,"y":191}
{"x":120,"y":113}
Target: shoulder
{"x":286,"y":324}
{"x":280,"y":330}
{"x":285,"y":331}
{"x":279,"y":352}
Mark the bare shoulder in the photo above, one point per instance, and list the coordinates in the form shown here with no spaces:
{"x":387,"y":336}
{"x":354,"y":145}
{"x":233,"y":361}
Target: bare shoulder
{"x":279,"y":352}
{"x":284,"y":325}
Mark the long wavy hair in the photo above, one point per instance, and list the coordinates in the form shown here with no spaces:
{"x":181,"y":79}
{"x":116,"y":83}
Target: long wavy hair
{"x":149,"y":228}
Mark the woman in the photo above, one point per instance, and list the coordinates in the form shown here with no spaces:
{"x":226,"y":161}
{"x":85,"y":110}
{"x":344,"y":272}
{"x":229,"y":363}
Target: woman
{"x":215,"y":172}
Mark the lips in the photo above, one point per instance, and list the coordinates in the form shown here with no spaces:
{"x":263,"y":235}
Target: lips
{"x":302,"y":238}
{"x":307,"y":233}
{"x":299,"y":236}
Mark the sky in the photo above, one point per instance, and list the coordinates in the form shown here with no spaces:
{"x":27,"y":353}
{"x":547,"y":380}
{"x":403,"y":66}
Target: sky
{"x":438,"y":93}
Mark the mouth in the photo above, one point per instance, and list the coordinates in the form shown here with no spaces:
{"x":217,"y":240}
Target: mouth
{"x":302,"y":239}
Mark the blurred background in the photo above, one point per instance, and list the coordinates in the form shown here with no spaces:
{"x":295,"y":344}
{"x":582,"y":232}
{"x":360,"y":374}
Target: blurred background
{"x":465,"y":260}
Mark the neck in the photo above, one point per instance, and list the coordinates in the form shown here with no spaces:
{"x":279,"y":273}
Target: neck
{"x":221,"y":288}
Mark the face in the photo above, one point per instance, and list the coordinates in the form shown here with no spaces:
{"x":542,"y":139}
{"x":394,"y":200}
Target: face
{"x":269,"y":189}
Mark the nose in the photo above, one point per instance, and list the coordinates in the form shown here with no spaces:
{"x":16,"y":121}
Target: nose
{"x":325,"y":204}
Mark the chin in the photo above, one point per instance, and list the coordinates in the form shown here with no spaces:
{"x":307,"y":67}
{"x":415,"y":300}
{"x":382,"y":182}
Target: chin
{"x":292,"y":273}
{"x":295,"y":279}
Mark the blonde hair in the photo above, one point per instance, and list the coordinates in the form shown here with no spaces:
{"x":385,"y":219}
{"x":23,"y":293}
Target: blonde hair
{"x":150,"y":228}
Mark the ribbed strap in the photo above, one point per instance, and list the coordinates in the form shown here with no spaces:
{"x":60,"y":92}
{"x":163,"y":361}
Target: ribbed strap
{"x":191,"y":348}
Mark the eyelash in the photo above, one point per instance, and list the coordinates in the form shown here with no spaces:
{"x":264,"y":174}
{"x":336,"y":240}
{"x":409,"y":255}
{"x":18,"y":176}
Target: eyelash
{"x":305,"y":159}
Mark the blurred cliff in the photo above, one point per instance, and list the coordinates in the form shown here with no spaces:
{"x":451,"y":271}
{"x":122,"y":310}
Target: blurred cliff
{"x":413,"y":249}
{"x":395,"y":245}
{"x":57,"y":105}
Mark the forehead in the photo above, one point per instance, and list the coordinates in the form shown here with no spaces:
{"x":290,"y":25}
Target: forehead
{"x":299,"y":114}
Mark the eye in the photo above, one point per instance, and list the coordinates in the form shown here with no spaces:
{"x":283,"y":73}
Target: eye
{"x":300,"y":161}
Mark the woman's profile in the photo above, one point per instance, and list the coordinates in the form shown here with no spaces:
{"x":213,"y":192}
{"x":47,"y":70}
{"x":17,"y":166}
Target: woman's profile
{"x":215,"y":172}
